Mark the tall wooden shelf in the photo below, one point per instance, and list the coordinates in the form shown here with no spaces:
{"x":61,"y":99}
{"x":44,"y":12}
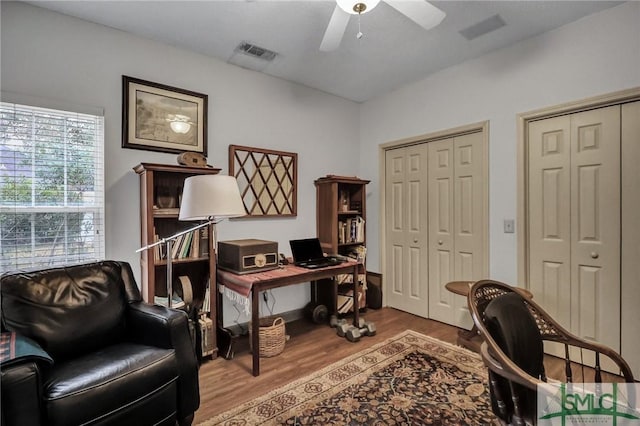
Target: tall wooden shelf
{"x":160,"y":193}
{"x":340,"y":200}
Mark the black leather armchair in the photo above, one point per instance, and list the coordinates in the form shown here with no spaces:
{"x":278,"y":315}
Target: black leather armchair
{"x":115,"y":359}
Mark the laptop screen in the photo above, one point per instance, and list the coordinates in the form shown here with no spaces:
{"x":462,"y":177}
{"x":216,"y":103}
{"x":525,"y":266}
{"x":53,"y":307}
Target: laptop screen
{"x":306,"y":249}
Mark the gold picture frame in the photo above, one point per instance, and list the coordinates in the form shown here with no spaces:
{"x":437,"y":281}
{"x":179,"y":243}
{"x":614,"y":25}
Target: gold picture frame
{"x":157,"y":117}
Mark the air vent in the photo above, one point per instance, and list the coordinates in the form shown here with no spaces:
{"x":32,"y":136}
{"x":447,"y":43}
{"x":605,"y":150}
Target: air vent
{"x":256,"y":51}
{"x":483,"y":27}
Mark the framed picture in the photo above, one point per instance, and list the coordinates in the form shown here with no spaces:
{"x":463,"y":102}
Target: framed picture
{"x":156,"y":117}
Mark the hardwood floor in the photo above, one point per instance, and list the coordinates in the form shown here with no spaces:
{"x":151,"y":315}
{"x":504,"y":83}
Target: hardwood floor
{"x":225,"y":384}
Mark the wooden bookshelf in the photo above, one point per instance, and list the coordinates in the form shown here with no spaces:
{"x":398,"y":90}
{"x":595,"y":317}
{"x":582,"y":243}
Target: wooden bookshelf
{"x":340,"y":204}
{"x":160,"y":195}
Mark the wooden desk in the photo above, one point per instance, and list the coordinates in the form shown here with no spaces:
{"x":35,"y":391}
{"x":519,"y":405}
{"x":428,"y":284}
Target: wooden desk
{"x":252,"y":284}
{"x":470,"y":339}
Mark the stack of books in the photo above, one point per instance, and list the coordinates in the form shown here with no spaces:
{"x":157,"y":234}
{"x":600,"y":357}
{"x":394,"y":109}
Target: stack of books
{"x":176,"y":301}
{"x":351,"y":230}
{"x":345,"y":301}
{"x":193,"y":245}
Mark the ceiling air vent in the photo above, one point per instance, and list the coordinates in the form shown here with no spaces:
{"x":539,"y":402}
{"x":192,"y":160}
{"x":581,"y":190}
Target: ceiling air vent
{"x":256,"y":51}
{"x":483,"y":27}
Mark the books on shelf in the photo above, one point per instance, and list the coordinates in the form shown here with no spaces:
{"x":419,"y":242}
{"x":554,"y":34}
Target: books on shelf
{"x":170,"y":212}
{"x":204,"y":242}
{"x":175,"y":247}
{"x":351,"y":230}
{"x":190,"y":245}
{"x":195,"y":245}
{"x":348,"y":279}
{"x":206,"y":303}
{"x":207,"y":331}
{"x":185,"y":248}
{"x":345,"y":301}
{"x":157,"y":250}
{"x":359,"y":253}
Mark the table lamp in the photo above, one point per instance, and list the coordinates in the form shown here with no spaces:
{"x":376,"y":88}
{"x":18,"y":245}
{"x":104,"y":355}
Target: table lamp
{"x":207,"y":198}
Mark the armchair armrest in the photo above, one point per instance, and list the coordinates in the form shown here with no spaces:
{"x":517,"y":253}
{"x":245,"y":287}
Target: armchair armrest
{"x":155,"y":325}
{"x":21,"y":394}
{"x":504,"y":367}
{"x":15,"y":349}
{"x":168,"y":328}
{"x":20,"y":389}
{"x":570,"y":339}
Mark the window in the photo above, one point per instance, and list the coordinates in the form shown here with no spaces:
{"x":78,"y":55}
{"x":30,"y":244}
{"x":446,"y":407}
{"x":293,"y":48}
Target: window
{"x":51,"y":187}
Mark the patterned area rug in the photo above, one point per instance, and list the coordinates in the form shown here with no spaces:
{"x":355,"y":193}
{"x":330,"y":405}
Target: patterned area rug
{"x":410,"y":379}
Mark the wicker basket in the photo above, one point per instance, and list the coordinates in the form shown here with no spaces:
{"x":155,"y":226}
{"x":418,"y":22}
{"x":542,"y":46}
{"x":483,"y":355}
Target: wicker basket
{"x":271,"y":335}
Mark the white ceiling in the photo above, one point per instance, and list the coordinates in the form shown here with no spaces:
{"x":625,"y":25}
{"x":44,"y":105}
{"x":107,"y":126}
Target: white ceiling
{"x":393,"y":52}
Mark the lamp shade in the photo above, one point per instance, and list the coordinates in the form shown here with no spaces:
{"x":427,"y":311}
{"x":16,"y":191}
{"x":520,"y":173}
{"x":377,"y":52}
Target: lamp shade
{"x":211,"y":197}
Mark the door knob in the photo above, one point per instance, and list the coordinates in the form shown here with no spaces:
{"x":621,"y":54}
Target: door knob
{"x":439,"y":242}
{"x":594,"y":255}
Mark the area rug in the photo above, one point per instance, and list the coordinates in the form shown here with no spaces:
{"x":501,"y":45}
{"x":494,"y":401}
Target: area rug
{"x":410,"y":379}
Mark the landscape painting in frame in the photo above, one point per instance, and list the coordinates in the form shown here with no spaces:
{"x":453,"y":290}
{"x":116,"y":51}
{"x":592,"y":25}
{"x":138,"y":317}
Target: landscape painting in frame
{"x":156,"y":117}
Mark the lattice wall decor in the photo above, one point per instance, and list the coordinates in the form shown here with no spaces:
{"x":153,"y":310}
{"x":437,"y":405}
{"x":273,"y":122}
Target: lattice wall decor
{"x":268,"y":180}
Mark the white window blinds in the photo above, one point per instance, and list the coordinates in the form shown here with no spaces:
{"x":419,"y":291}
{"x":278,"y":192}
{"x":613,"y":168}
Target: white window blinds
{"x":51,"y":187}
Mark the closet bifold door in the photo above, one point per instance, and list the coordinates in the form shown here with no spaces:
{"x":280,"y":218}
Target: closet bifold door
{"x":595,"y":225}
{"x":550,"y":216}
{"x":406,"y":231}
{"x":456,"y":221}
{"x":630,"y":273}
{"x":574,"y":221}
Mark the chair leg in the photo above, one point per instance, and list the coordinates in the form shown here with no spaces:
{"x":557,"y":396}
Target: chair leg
{"x":501,"y":405}
{"x":186,"y":421}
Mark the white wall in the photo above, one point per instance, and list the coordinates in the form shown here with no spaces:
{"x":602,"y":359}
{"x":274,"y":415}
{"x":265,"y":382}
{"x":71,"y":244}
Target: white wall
{"x":53,"y":56}
{"x":596,"y":55}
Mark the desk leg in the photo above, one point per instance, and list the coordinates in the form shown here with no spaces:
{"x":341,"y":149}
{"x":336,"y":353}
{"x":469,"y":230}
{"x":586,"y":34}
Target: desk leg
{"x":225,"y":337}
{"x":255,"y":330}
{"x":334,"y":297}
{"x":356,"y":305}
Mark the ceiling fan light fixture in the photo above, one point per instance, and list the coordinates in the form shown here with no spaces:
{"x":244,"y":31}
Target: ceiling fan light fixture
{"x":357,"y":7}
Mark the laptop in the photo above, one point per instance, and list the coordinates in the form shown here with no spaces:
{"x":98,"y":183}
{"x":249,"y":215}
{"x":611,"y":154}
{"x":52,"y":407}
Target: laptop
{"x":308,"y":254}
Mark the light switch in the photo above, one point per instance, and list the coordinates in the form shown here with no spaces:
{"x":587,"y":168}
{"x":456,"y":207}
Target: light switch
{"x":509,"y":226}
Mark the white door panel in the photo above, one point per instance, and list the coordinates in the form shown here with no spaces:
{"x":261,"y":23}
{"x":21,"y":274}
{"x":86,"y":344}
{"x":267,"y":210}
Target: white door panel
{"x":574,"y":221}
{"x":630,"y":238}
{"x":468,"y":217}
{"x":550,"y":216}
{"x":595,"y":225}
{"x":441,"y":251}
{"x":456,"y":223}
{"x":406,"y":207}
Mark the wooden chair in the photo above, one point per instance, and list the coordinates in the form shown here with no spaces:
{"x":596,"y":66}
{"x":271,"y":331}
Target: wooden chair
{"x":513,"y":328}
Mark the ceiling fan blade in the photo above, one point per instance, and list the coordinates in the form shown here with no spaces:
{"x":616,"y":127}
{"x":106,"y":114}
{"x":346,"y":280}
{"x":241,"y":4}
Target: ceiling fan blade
{"x":419,"y":11}
{"x":335,"y":30}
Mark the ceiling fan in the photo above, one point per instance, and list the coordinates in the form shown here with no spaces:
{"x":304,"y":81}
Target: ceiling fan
{"x":421,"y":12}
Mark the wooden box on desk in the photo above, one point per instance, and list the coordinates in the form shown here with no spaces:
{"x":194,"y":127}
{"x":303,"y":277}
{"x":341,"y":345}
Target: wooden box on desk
{"x":247,"y":256}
